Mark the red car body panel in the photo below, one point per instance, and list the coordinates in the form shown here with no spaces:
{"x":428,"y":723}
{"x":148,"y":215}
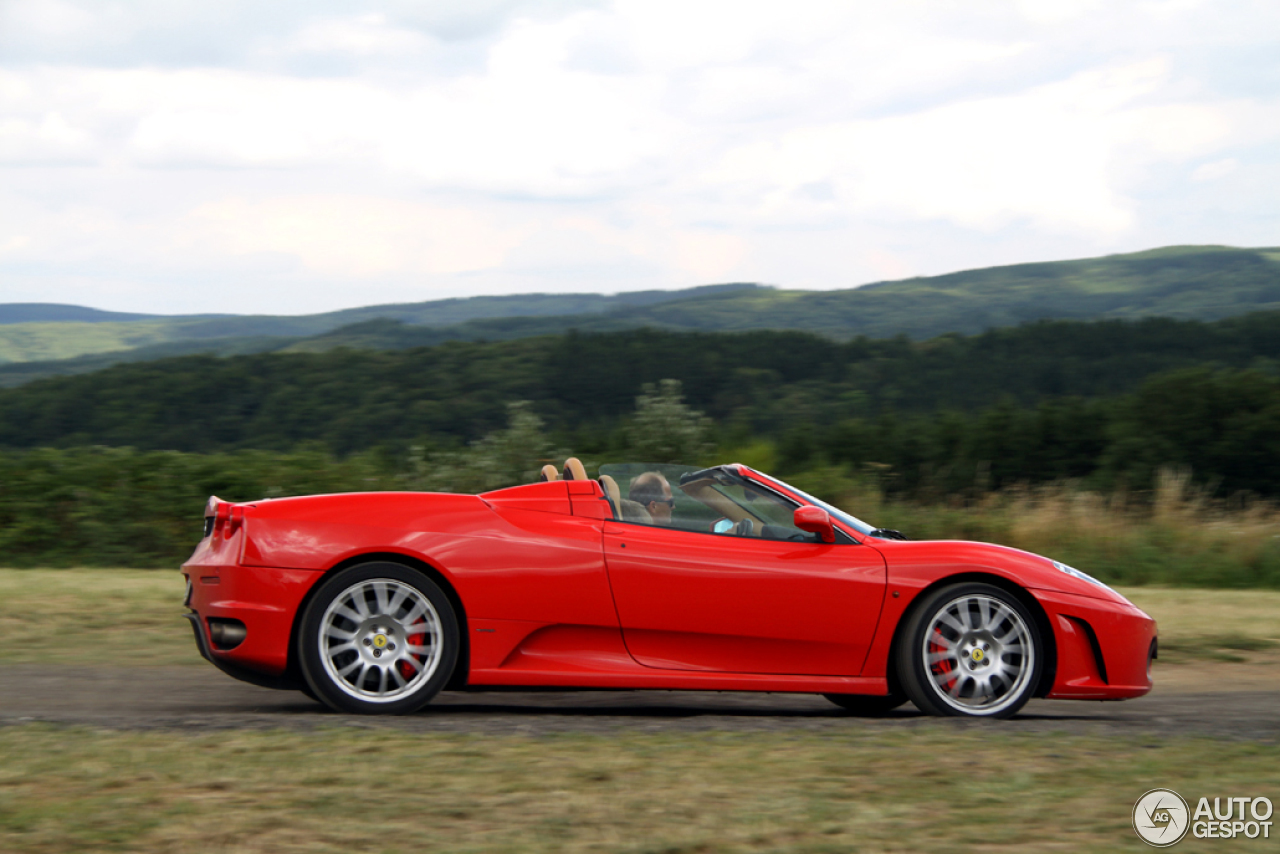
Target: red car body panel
{"x":553,"y":591}
{"x":688,"y":601}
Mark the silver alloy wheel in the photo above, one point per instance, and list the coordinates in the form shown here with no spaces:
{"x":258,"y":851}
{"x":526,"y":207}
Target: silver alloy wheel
{"x":380,"y":640}
{"x":979,"y":654}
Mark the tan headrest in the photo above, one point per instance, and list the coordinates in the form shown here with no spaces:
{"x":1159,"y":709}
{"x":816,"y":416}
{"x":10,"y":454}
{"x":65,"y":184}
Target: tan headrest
{"x":573,"y":469}
{"x":549,"y":473}
{"x":611,"y":489}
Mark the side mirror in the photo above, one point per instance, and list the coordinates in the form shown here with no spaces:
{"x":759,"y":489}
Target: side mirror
{"x":722,"y":526}
{"x":815,"y":520}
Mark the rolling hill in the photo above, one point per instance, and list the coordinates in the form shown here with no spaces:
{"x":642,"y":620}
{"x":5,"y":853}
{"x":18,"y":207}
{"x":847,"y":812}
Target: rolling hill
{"x":1190,"y":282}
{"x":31,"y":332}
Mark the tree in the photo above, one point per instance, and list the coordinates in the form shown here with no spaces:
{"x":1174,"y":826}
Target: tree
{"x":502,"y":458}
{"x":665,"y":430}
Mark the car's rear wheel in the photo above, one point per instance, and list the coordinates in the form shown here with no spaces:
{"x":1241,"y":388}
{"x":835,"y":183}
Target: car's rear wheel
{"x":378,"y":638}
{"x":970,"y":649}
{"x":867,"y":706}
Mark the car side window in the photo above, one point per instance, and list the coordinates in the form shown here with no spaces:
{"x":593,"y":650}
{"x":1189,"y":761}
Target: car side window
{"x":762,"y":513}
{"x":722,"y":509}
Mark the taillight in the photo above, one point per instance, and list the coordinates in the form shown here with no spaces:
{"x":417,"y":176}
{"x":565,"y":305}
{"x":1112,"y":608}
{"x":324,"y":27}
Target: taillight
{"x":222,"y":517}
{"x":235,"y":520}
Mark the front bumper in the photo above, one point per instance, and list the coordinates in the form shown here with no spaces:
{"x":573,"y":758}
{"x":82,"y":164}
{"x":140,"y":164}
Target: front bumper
{"x":1104,"y":647}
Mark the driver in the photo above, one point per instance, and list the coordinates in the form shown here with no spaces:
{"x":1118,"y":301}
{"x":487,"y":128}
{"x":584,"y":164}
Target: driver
{"x":652,"y":492}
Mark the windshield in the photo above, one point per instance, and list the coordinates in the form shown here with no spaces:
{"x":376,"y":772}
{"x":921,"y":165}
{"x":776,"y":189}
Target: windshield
{"x":851,"y":521}
{"x":714,"y":500}
{"x":696,"y":499}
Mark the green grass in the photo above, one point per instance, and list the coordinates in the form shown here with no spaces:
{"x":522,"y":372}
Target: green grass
{"x":132,"y":617}
{"x":935,"y":788}
{"x":1221,"y":647}
{"x":29,"y":342}
{"x":117,"y":617}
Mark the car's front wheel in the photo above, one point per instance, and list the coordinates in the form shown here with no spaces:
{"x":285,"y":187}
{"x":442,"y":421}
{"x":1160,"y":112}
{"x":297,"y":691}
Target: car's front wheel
{"x":970,"y":649}
{"x":378,"y":638}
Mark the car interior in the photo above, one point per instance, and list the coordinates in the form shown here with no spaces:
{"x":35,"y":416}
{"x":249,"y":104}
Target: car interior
{"x":719,"y":503}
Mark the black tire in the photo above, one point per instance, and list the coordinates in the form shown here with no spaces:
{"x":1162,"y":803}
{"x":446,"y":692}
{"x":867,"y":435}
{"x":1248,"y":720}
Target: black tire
{"x":867,"y":706}
{"x":970,"y":650}
{"x":404,"y":619}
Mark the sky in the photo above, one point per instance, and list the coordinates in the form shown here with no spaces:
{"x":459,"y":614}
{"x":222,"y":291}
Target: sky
{"x":186,"y":156}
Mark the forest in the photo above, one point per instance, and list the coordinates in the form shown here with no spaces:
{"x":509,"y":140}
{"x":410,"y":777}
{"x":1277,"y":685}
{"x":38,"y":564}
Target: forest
{"x":1106,"y":400}
{"x":115,"y":466}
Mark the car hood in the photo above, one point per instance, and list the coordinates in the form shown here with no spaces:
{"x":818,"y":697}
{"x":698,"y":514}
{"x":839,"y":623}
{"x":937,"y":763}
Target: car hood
{"x":1025,"y":568}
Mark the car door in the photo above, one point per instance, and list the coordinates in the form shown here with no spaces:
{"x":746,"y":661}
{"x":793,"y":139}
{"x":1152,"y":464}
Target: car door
{"x":689,"y":600}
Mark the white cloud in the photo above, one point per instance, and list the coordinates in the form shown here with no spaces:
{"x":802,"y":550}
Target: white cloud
{"x":640,"y":143}
{"x":362,"y":35}
{"x":52,"y":19}
{"x":1215,"y":170}
{"x":352,"y":236}
{"x":45,"y":138}
{"x":1050,"y":155}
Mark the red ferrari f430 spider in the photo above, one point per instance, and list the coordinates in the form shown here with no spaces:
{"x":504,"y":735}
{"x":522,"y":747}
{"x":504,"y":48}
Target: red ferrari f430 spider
{"x":649,"y":576}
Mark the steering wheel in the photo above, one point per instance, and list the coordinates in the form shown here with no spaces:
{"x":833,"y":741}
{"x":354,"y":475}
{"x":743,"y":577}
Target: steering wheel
{"x":744,"y":528}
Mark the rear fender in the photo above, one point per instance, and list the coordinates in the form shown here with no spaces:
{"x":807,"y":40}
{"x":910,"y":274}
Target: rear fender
{"x":461,"y":669}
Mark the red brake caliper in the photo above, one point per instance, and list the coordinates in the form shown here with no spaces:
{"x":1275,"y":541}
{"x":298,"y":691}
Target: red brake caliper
{"x":406,"y":670}
{"x":944,"y":666}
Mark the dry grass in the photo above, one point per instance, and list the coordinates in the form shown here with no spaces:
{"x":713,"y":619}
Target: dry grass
{"x":1180,"y":526}
{"x":131,"y":616}
{"x":1215,"y":625}
{"x":1187,"y":614}
{"x":930,"y":788}
{"x":1175,"y":537}
{"x":94,"y":616}
{"x":935,"y":789}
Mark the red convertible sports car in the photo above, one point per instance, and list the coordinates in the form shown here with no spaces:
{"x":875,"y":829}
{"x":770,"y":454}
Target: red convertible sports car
{"x":650,"y":576}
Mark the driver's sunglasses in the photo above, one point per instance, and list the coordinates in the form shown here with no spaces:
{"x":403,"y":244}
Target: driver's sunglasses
{"x":670,"y":502}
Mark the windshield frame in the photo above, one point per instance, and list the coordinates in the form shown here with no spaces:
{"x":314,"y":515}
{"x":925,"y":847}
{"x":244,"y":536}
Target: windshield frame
{"x":847,"y":520}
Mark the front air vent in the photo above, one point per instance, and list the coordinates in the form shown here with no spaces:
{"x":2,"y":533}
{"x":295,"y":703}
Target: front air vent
{"x":1094,"y":646}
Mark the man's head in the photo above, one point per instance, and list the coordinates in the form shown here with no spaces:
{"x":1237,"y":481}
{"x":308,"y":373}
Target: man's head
{"x":652,"y":492}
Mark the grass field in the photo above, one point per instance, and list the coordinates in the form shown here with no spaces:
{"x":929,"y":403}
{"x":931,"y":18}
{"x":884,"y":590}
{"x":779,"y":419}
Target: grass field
{"x":935,"y":788}
{"x":130,"y":616}
{"x":118,"y":616}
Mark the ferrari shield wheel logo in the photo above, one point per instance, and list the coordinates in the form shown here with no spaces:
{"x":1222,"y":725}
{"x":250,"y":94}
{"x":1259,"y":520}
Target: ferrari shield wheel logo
{"x":380,"y":641}
{"x":1161,"y":817}
{"x":977,"y":655}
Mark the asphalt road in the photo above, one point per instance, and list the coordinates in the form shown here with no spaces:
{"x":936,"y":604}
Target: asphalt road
{"x":201,"y":698}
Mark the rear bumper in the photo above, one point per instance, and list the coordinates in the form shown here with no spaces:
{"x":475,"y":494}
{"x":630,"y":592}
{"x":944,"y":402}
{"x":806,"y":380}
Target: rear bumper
{"x":1104,"y":648}
{"x":283,"y":682}
{"x":265,"y":601}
